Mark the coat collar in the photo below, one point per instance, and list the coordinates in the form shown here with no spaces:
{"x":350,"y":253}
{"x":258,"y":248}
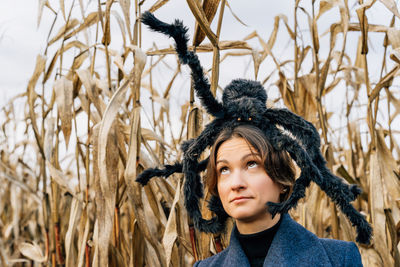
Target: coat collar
{"x":292,"y":245}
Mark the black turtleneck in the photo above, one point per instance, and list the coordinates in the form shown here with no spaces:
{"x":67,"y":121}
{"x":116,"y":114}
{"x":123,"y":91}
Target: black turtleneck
{"x":256,"y":245}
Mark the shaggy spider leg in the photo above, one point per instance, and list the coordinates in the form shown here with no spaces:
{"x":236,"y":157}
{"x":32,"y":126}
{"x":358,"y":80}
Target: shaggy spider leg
{"x":309,"y":172}
{"x":193,"y":188}
{"x":144,"y":177}
{"x":307,"y":134}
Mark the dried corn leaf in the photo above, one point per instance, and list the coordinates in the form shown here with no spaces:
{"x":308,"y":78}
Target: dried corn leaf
{"x":210,"y":8}
{"x":91,"y":19}
{"x":92,"y":93}
{"x":171,"y":232}
{"x":234,"y":15}
{"x":70,"y":258}
{"x":386,"y":81}
{"x":126,"y":8}
{"x":61,"y":179}
{"x":94,"y":115}
{"x":394,"y":37}
{"x":108,"y":185}
{"x":121,"y":25}
{"x":32,"y":251}
{"x":140,"y":62}
{"x":60,"y":51}
{"x":395,"y":55}
{"x":41,"y":5}
{"x":64,"y":30}
{"x":377,"y":188}
{"x":272,"y":37}
{"x":194,"y":124}
{"x":63,"y":89}
{"x":391,"y":182}
{"x":157,"y":5}
{"x":48,"y":138}
{"x":314,"y":32}
{"x":83,"y":237}
{"x":364,"y":24}
{"x":371,"y":27}
{"x":326,"y":5}
{"x":39,"y":69}
{"x":106,"y":30}
{"x":201,"y":19}
{"x":62,"y":7}
{"x":370,"y":257}
{"x":150,"y":135}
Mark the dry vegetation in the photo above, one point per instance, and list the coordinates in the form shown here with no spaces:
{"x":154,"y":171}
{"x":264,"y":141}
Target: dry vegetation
{"x":81,"y":206}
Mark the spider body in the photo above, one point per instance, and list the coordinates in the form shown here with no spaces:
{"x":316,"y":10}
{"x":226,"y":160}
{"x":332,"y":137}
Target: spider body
{"x":244,"y":102}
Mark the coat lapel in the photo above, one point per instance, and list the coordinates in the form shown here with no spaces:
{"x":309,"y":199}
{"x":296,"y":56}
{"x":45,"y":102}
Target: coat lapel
{"x":293,"y":245}
{"x":236,"y":255}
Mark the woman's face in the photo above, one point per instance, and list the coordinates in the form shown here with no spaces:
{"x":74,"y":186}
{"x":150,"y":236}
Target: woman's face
{"x":243,"y":185}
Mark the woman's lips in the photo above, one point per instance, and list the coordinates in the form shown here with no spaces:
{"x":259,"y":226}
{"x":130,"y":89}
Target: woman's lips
{"x":239,"y":199}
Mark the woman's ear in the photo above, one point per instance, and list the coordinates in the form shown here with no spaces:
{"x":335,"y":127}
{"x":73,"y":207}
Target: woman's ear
{"x":283,"y":189}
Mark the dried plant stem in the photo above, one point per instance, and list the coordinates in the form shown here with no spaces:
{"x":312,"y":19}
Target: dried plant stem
{"x":216,"y":57}
{"x":105,"y":33}
{"x":53,"y":259}
{"x":58,"y":243}
{"x":117,"y":228}
{"x":87,"y":255}
{"x":296,"y":51}
{"x":370,"y":119}
{"x":193,"y":241}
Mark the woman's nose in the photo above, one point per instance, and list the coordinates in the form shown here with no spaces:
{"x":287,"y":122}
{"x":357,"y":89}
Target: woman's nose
{"x":237,"y":180}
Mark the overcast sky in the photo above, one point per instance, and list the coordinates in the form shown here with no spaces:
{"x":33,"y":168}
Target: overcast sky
{"x":20,"y":42}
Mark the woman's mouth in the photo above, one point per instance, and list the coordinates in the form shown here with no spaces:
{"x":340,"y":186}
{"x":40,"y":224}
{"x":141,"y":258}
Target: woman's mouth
{"x":240,"y":199}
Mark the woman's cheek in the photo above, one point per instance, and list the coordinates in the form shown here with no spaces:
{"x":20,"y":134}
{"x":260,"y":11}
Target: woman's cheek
{"x":222,"y":189}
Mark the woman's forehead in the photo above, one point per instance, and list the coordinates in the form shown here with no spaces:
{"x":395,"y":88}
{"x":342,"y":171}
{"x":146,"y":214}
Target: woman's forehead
{"x":235,"y":147}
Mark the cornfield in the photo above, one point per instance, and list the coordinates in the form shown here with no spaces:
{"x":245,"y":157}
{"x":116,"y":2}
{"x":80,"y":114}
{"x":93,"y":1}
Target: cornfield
{"x":105,"y":101}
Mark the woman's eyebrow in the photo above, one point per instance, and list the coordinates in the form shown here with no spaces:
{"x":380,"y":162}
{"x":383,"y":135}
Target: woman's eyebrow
{"x":221,"y":161}
{"x":250,"y":155}
{"x":243,"y":158}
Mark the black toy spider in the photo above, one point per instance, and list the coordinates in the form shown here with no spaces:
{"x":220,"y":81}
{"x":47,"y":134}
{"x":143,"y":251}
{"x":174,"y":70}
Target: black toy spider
{"x":244,"y":101}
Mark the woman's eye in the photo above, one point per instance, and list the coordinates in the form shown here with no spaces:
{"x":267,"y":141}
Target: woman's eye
{"x":223,"y":170}
{"x":252,"y":164}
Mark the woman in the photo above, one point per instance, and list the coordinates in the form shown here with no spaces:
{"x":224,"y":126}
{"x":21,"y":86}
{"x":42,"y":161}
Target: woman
{"x":245,"y":172}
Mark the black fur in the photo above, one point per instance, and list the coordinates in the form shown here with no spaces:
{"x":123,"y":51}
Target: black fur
{"x":144,"y":177}
{"x":244,"y":101}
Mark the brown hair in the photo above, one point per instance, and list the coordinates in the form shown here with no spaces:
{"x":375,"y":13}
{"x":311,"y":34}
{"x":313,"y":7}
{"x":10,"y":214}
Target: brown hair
{"x":277,"y":164}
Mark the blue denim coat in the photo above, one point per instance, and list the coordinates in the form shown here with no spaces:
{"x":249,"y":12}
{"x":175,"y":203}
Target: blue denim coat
{"x":293,"y":245}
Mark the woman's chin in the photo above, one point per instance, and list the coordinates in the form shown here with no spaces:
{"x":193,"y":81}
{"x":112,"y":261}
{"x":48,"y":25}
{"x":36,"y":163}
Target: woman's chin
{"x":243,"y":215}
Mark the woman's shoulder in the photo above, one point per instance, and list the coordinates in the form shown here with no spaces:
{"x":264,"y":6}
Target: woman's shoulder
{"x":340,"y":251}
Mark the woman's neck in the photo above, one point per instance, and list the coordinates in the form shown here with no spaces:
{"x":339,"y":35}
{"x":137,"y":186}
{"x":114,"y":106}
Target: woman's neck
{"x":255,"y":226}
